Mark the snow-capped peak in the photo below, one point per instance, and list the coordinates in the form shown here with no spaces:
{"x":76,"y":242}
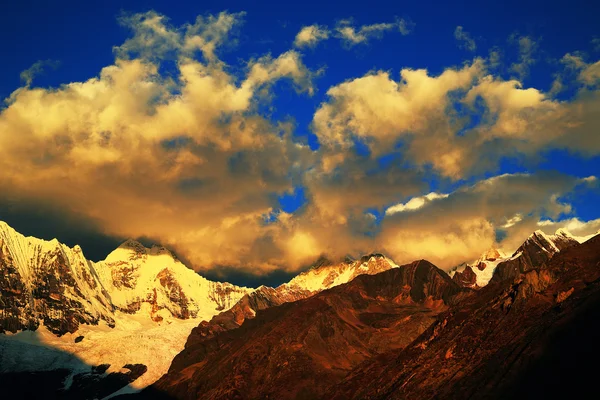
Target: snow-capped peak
{"x":324,"y":275}
{"x":538,"y":247}
{"x":141,"y":300}
{"x":565,"y":233}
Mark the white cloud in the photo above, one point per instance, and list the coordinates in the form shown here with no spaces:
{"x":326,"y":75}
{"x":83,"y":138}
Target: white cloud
{"x":415,"y":203}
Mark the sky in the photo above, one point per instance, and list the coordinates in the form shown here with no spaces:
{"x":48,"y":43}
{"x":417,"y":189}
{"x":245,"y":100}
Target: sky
{"x":252,"y":138}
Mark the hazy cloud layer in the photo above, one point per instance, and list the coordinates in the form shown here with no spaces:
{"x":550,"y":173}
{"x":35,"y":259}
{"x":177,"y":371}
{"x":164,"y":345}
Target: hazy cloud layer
{"x":465,"y":41}
{"x":353,"y":35}
{"x":188,"y":158}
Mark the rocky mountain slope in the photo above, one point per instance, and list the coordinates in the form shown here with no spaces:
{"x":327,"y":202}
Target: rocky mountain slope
{"x":323,"y":275}
{"x":526,"y":337}
{"x":298,"y":349}
{"x":411,"y":332}
{"x":496,"y":266}
{"x":364,"y":328}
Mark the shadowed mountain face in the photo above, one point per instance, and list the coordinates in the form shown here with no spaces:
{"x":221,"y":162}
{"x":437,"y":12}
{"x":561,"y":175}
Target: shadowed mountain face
{"x":61,"y":375}
{"x":520,"y":338}
{"x":300,"y":349}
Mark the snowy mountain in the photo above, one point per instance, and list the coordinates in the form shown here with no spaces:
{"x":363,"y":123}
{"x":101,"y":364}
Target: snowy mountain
{"x":496,"y":266}
{"x":326,"y":274}
{"x":134,"y":274}
{"x":62,"y":311}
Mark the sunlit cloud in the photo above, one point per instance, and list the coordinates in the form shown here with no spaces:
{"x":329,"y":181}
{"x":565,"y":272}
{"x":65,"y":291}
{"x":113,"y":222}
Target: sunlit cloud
{"x":415,"y":203}
{"x":353,"y":35}
{"x":171,"y":142}
{"x":310,"y":35}
{"x":527,"y":49}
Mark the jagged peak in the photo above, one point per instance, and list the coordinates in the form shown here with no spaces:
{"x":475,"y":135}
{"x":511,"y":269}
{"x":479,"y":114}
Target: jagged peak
{"x":538,"y":233}
{"x":348,"y":259}
{"x":322,"y":261}
{"x":563,"y":232}
{"x":367,"y":257}
{"x":131,"y":244}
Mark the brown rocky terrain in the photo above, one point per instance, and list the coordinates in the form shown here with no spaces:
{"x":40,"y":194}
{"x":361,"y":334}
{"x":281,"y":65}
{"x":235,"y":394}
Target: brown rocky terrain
{"x":529,"y":337}
{"x":412,"y":333}
{"x":300,"y":349}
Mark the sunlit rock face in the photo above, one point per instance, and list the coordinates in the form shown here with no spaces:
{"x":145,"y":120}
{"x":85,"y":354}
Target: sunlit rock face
{"x":46,"y":282}
{"x":323,"y":275}
{"x":136,"y":275}
{"x":494,"y":266}
{"x":302,"y":348}
{"x":523,"y":337}
{"x":65,"y":318}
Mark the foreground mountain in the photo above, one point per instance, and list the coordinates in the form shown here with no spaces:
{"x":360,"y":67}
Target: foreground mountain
{"x":323,"y":275}
{"x":300,"y":349}
{"x":66,"y":312}
{"x":495,"y":266}
{"x":411,"y":332}
{"x":528,"y":337}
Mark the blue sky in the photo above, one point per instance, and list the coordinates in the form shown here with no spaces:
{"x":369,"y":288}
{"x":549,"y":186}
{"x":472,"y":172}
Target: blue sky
{"x":294,"y":197}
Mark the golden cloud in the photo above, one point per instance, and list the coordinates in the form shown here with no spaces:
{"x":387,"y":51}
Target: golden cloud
{"x":186,"y":157}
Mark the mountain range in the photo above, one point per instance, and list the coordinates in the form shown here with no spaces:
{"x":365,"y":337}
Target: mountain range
{"x":354,"y":328}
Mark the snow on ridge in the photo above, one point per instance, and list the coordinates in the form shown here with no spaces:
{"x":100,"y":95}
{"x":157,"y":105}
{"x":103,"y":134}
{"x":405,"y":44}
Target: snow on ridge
{"x":141,"y":292}
{"x":322,"y":277}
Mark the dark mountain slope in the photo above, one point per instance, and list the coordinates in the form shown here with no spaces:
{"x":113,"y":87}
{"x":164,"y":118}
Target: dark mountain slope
{"x":533,"y":336}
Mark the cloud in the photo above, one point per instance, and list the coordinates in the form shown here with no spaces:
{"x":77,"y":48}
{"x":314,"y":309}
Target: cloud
{"x":465,"y":41}
{"x":352,"y":35}
{"x":154,"y":39}
{"x":575,"y":226}
{"x":463,"y":224}
{"x":310,"y":35}
{"x":172,"y":143}
{"x":421,"y":116}
{"x":415,"y":203}
{"x":588,"y":74}
{"x":596,"y":43}
{"x":377,"y":109}
{"x":186,"y":159}
{"x":37,"y":68}
{"x":527,"y":49}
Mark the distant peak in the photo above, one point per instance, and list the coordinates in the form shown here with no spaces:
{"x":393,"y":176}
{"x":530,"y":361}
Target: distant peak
{"x":132,"y":244}
{"x":563,"y":232}
{"x":367,"y":257}
{"x":322,"y":261}
{"x":160,"y":250}
{"x":349,"y":259}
